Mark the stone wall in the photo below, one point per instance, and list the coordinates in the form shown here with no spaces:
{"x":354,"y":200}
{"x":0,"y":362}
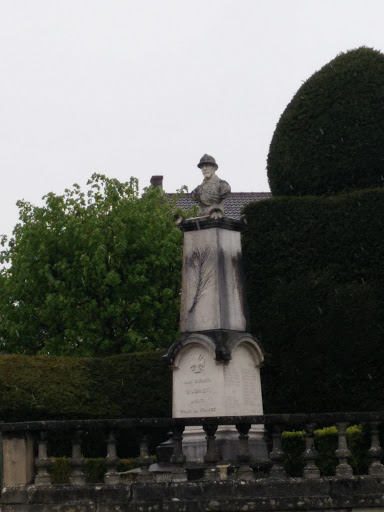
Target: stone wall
{"x":359,"y":494}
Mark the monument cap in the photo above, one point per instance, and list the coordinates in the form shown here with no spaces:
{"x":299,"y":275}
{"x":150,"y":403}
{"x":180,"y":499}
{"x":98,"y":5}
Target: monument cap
{"x":207,"y":159}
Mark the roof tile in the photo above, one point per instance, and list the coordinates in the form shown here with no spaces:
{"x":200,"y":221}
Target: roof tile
{"x":233,"y":204}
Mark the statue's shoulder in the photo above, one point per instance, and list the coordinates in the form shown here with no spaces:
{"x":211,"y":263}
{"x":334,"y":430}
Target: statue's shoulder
{"x":196,"y":191}
{"x":224,"y":186}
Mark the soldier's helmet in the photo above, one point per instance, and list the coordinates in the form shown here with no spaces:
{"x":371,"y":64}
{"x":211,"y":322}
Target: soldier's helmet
{"x":207,"y":159}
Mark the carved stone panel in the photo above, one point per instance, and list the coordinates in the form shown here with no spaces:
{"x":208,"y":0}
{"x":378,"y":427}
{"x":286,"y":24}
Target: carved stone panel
{"x":197,"y":384}
{"x":212,"y":287}
{"x":203,"y":386}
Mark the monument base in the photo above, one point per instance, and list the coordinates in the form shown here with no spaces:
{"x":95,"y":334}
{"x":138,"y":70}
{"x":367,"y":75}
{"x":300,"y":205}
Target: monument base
{"x":227,"y":440}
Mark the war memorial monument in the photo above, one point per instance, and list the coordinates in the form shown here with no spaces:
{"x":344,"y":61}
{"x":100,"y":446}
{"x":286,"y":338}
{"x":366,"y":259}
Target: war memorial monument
{"x":216,"y":362}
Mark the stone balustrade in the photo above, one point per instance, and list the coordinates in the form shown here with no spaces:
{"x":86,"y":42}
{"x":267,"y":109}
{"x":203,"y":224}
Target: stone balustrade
{"x":173,"y":484}
{"x":26,"y":458}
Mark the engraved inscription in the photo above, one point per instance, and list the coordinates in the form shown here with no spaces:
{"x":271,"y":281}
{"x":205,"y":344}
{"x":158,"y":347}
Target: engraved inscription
{"x":242,"y":387}
{"x":198,"y":396}
{"x":233,"y":385}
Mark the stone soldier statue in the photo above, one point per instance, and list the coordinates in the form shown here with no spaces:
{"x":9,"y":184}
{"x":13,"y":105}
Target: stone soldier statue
{"x":212,"y":192}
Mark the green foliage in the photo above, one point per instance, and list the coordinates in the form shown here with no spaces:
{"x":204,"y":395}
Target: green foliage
{"x":47,"y":388}
{"x":60,"y":470}
{"x":325,"y":444}
{"x":92,"y":274}
{"x":94,"y":469}
{"x":139,"y":384}
{"x":315,"y":283}
{"x":34,"y":388}
{"x":293,"y":444}
{"x":330,"y":136}
{"x":359,"y":443}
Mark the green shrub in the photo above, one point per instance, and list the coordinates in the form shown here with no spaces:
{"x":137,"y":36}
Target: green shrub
{"x":46,"y":387}
{"x":60,"y":470}
{"x":293,"y":444}
{"x":359,"y":443}
{"x":94,"y":469}
{"x":315,"y":282}
{"x":330,"y":136}
{"x":57,"y":388}
{"x":325,"y":445}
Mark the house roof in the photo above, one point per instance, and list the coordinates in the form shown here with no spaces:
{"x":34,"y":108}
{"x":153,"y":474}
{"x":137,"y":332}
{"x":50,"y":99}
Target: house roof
{"x":233,"y":204}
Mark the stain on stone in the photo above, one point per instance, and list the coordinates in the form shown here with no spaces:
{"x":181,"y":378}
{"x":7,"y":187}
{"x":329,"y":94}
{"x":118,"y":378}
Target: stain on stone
{"x":223,"y":294}
{"x":238,"y":273}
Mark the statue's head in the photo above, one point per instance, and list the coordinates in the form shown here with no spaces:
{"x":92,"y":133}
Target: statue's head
{"x":207,"y":165}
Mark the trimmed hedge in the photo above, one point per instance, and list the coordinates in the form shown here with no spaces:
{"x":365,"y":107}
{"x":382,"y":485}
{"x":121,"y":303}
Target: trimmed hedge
{"x":315,"y":282}
{"x":330,"y":136}
{"x":47,"y":388}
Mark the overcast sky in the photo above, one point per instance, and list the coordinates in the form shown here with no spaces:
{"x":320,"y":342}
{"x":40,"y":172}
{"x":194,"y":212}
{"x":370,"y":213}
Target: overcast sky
{"x":143,"y":87}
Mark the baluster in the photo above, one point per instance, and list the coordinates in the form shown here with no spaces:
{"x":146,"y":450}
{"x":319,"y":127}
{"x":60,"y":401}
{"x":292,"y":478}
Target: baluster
{"x":243,"y":451}
{"x":212,"y":455}
{"x":178,"y":456}
{"x":277,"y":454}
{"x":310,"y":454}
{"x":42,"y":462}
{"x":244,"y":472}
{"x":375,"y":452}
{"x":77,"y":461}
{"x":144,"y":460}
{"x":343,"y":469}
{"x":111,"y":476}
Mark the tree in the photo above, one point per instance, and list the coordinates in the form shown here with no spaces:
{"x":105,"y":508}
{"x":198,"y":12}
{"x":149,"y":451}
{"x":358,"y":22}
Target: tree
{"x":330,"y":136}
{"x":92,"y":274}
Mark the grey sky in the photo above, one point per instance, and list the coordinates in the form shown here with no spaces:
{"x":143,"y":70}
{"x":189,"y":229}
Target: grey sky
{"x":143,"y":87}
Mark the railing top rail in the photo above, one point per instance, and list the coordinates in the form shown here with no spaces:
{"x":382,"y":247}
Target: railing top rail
{"x":285,"y":420}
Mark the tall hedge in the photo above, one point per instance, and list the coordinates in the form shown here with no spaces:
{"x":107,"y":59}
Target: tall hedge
{"x":330,"y":137}
{"x":315,"y":281}
{"x":47,"y":387}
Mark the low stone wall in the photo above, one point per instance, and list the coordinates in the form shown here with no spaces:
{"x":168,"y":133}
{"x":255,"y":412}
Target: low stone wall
{"x":325,"y":494}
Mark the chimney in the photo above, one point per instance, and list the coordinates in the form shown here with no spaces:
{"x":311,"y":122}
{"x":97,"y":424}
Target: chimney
{"x":157,"y":181}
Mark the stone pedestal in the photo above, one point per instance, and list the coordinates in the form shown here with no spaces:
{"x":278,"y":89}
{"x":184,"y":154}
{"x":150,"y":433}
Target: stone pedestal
{"x":215,"y":362}
{"x":205,"y":386}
